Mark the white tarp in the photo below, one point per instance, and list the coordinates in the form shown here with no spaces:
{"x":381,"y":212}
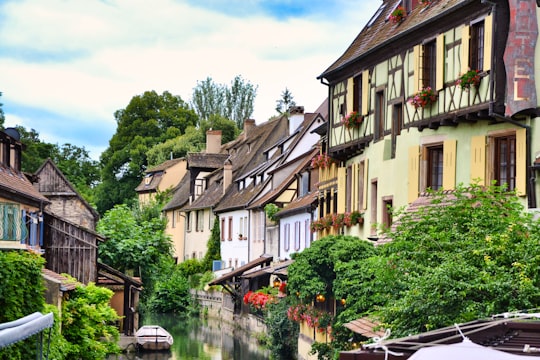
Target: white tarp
{"x":15,"y":331}
{"x":465,"y":350}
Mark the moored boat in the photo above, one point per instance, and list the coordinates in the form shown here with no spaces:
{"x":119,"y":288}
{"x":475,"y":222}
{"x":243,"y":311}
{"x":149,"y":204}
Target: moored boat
{"x":154,"y":338}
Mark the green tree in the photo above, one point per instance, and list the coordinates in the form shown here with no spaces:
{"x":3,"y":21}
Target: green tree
{"x":36,"y":151}
{"x":234,"y":102}
{"x":285,"y":102}
{"x":137,"y":243}
{"x":89,"y":323}
{"x":149,"y":119}
{"x":213,"y":247}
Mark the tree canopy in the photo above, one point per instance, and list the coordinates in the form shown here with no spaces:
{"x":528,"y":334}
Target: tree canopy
{"x":467,"y":255}
{"x":234,"y":102}
{"x":147,"y":120}
{"x":285,"y":102}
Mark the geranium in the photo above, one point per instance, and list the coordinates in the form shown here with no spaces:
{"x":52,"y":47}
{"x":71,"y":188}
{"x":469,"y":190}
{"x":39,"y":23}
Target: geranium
{"x":314,"y":318}
{"x":470,"y":78}
{"x":337,"y":220}
{"x":257,"y":299}
{"x":398,"y":15}
{"x":321,"y":161}
{"x":424,"y":97}
{"x":352,"y":120}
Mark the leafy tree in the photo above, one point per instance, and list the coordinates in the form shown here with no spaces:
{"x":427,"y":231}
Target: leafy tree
{"x":285,"y":102}
{"x":36,"y":151}
{"x":229,"y":129}
{"x":191,"y":141}
{"x":234,"y":102}
{"x":149,"y":119}
{"x":88,"y":323}
{"x":213,"y":247}
{"x":137,"y":243}
{"x":172,"y":295}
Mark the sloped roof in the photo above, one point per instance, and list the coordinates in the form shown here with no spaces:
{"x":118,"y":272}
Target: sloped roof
{"x":245,"y":154}
{"x":61,"y":187}
{"x":263,"y":260}
{"x":381,"y":31}
{"x":297,"y":205}
{"x":180,"y":194}
{"x":16,"y":186}
{"x":271,"y":195}
{"x":206,"y":160}
{"x":164,"y":165}
{"x":155,"y":179}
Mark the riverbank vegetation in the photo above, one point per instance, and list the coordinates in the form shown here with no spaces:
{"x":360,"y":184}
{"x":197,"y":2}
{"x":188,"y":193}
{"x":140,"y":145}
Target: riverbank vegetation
{"x":468,"y":254}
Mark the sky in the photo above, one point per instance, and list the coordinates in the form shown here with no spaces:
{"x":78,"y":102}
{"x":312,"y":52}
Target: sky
{"x":66,"y":66}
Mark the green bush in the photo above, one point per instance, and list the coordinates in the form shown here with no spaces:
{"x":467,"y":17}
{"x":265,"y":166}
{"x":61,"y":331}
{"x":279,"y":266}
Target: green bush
{"x":21,"y":294}
{"x":171,"y":295}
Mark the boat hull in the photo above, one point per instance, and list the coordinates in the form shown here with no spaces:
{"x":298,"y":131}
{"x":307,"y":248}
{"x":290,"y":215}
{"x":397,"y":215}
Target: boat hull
{"x":153,"y":338}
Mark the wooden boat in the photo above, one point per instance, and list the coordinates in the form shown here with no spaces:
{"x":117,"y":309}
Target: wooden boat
{"x":154,"y":338}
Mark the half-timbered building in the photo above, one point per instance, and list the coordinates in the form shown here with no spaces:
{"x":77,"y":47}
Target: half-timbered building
{"x":443,"y":95}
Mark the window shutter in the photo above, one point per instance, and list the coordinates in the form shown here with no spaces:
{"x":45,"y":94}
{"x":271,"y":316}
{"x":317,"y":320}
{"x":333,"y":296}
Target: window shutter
{"x":349,"y":98}
{"x":478,"y":159}
{"x":439,"y":81}
{"x":414,"y":172}
{"x":417,"y":58}
{"x":449,"y":164}
{"x":365,"y":92}
{"x":354,"y":186}
{"x":465,"y":35}
{"x":488,"y":38}
{"x":342,"y":189}
{"x":364,"y":201}
{"x":521,"y":162}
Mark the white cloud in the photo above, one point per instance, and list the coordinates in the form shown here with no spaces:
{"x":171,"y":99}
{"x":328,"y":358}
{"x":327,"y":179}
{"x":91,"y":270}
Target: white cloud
{"x":83,"y":60}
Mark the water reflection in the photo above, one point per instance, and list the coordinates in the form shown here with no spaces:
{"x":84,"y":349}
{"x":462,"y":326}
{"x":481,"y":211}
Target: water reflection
{"x":201,"y":339}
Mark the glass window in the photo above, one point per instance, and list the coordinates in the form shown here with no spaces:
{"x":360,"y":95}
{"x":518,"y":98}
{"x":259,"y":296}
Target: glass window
{"x":505,"y":161}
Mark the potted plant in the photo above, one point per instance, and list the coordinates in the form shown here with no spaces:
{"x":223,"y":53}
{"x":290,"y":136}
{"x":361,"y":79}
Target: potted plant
{"x":352,"y":120}
{"x":398,"y":15}
{"x":470,"y":78}
{"x":321,"y":161}
{"x":424,"y":98}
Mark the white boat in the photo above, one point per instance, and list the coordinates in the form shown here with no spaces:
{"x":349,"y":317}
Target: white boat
{"x":153,"y":337}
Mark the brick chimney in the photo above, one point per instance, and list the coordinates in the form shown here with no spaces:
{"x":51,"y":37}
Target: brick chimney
{"x":249,"y":124}
{"x":227,"y":174}
{"x":213,"y":141}
{"x":296,"y":117}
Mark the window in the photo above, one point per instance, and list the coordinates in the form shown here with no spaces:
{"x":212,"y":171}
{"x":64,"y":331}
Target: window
{"x":241,"y":228}
{"x":505,"y":161}
{"x":297,"y":228}
{"x":387,"y":203}
{"x":245,"y":231}
{"x":287,"y":237}
{"x":307,"y":232}
{"x":200,"y":220}
{"x":222,"y":229}
{"x":429,"y":65}
{"x":230,"y":228}
{"x":379,"y":115}
{"x":397,"y":125}
{"x":434,"y":167}
{"x":476,"y":46}
{"x":188,"y":221}
{"x":304,"y":184}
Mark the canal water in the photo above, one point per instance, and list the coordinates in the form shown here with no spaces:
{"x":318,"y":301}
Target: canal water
{"x":202,"y":339}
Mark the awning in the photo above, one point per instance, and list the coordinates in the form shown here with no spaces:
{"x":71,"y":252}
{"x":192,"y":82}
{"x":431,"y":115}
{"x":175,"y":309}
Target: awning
{"x":241,"y":270}
{"x":18,"y":330}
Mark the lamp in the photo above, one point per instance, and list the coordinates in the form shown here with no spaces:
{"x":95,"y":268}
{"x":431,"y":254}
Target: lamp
{"x":277,"y":282}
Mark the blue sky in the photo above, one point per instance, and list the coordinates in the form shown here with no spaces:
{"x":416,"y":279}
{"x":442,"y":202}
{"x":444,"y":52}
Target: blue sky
{"x":67,"y":66}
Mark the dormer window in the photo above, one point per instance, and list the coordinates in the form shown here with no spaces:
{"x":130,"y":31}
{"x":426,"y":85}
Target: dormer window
{"x":148,"y":179}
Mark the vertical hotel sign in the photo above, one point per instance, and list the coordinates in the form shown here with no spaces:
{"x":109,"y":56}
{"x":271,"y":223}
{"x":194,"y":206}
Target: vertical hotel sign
{"x":519,"y":57}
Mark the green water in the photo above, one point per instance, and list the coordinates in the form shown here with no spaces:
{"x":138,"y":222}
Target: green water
{"x":202,"y":340}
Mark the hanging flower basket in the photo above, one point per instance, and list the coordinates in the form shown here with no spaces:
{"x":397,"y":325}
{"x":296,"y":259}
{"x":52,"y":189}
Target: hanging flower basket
{"x":424,"y":98}
{"x":470,"y":78}
{"x":352,"y":120}
{"x":398,"y":15}
{"x":321,"y":161}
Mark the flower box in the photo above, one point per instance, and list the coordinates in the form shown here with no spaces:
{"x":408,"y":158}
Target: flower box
{"x":352,"y":120}
{"x":398,"y":15}
{"x":424,"y":98}
{"x":470,"y":78}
